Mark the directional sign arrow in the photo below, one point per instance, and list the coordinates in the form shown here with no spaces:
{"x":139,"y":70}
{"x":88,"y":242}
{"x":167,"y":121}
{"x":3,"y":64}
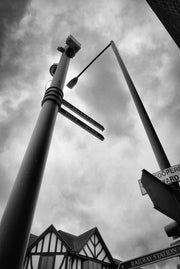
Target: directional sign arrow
{"x":153,"y":257}
{"x":168,"y":176}
{"x":165,"y":198}
{"x":82,"y":114}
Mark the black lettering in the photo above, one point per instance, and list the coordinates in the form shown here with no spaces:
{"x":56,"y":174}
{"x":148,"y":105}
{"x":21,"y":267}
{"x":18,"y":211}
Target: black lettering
{"x":176,"y":177}
{"x":171,"y":178}
{"x":167,"y":181}
{"x":175,"y":169}
{"x":172,"y":170}
{"x":158,"y":174}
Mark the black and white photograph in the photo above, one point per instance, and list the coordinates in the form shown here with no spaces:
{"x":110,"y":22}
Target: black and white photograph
{"x":89,"y":134}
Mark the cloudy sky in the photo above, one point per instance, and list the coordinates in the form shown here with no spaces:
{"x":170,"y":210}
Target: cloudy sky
{"x":88,"y":182}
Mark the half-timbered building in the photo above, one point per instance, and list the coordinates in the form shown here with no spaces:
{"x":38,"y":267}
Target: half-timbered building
{"x":60,"y":250}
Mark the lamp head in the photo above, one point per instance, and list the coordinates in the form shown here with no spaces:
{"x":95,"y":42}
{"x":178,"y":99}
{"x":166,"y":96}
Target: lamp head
{"x":72,"y":83}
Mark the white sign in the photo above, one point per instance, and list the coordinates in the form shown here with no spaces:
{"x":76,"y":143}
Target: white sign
{"x":167,"y":176}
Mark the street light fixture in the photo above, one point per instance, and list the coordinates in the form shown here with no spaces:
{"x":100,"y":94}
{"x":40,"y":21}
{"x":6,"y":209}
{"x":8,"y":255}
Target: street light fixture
{"x":74,"y":81}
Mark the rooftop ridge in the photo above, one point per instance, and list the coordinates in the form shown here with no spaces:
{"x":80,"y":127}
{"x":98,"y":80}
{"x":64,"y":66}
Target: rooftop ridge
{"x":75,"y":242}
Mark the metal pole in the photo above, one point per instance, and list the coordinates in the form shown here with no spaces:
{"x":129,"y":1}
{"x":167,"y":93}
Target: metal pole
{"x":74,"y":81}
{"x":94,"y":60}
{"x":150,"y":131}
{"x":17,"y":218}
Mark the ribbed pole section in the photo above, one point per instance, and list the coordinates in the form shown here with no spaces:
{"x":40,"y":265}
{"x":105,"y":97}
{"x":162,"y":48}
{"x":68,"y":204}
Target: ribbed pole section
{"x":158,"y":150}
{"x":18,"y":216}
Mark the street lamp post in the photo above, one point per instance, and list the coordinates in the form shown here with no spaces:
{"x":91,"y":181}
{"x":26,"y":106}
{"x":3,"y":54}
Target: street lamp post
{"x":150,"y":131}
{"x":17,"y":218}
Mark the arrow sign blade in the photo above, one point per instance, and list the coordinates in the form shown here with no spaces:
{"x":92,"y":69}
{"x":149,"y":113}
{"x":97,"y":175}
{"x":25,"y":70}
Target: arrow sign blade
{"x":81,"y":124}
{"x":162,"y":196}
{"x":150,"y":258}
{"x":83,"y":115}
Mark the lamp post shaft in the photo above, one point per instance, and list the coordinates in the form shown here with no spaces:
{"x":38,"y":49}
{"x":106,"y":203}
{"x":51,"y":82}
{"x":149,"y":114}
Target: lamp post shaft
{"x":18,"y":215}
{"x":150,"y":131}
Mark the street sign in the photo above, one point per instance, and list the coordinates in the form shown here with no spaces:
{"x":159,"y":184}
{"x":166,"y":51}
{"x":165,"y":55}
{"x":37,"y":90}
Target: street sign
{"x":165,"y":199}
{"x":167,"y":176}
{"x":82,"y":114}
{"x":153,"y":257}
{"x":81,"y":123}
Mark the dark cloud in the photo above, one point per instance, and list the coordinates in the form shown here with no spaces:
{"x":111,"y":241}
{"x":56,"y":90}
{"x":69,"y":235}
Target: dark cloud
{"x":20,"y":62}
{"x":11,"y":49}
{"x":11,"y":12}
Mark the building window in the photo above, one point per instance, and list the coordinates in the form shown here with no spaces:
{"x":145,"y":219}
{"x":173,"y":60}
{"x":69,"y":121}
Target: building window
{"x":91,"y":265}
{"x":46,"y":262}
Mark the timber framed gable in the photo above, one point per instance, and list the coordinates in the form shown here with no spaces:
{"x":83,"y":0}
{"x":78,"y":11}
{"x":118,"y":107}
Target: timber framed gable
{"x":95,"y":248}
{"x":48,"y":249}
{"x":60,"y":250}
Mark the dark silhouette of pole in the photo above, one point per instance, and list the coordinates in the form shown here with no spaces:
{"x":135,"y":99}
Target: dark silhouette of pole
{"x":17,"y":218}
{"x":150,"y":131}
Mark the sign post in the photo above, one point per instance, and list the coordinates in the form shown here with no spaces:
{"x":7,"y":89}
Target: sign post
{"x":150,"y":131}
{"x":18,"y":215}
{"x":165,"y":199}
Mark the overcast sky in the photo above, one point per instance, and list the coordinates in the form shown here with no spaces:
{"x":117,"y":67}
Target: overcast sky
{"x":88,"y":182}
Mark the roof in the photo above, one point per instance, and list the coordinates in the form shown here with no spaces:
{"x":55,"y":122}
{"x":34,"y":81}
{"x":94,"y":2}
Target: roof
{"x":68,"y":238}
{"x":117,"y":261}
{"x":32,"y":239}
{"x":73,"y":243}
{"x":76,"y":242}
